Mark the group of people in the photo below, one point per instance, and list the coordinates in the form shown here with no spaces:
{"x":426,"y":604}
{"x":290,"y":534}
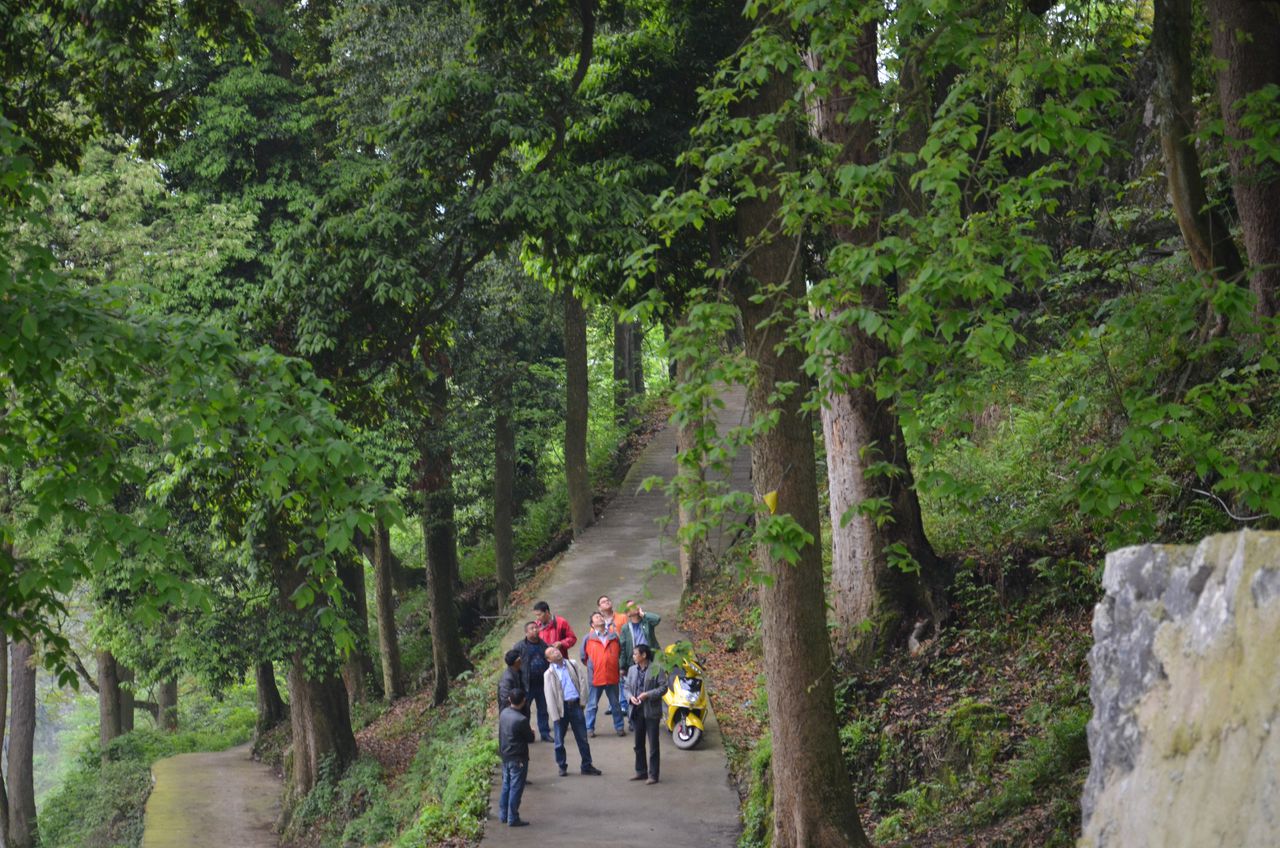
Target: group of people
{"x":615,"y":660}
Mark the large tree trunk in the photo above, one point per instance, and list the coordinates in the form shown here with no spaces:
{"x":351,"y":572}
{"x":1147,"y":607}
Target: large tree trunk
{"x":504,"y":482}
{"x":127,"y":699}
{"x":577,"y":477}
{"x":357,"y":670}
{"x":385,"y":606}
{"x":635,"y":357}
{"x":167,"y":705}
{"x":439,"y":536}
{"x":321,"y":722}
{"x":4,"y":724}
{"x":1206,"y":234}
{"x":22,"y":740}
{"x":812,"y":795}
{"x":271,"y":707}
{"x":1246,"y":45}
{"x":109,"y":721}
{"x":866,"y":453}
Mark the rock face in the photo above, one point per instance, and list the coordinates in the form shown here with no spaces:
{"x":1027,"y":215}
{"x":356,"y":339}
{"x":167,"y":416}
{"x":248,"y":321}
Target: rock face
{"x":1184,"y":741}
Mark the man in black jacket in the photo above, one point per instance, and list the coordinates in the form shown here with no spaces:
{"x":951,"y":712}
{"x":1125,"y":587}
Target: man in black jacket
{"x":514,"y":736}
{"x":512,"y":679}
{"x":534,"y":663}
{"x":646,"y":684}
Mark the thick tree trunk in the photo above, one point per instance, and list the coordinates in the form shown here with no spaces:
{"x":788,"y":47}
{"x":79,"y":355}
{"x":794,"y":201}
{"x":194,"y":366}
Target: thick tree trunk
{"x":504,"y":482}
{"x":385,"y":606}
{"x":271,"y":707}
{"x":1246,"y":46}
{"x":321,"y":722}
{"x":4,"y":725}
{"x":357,"y":669}
{"x":403,"y":578}
{"x":1206,"y":234}
{"x":167,"y":705}
{"x":109,"y":723}
{"x":866,"y":453}
{"x":812,"y":795}
{"x":577,"y":478}
{"x":22,"y":740}
{"x":127,"y":699}
{"x":440,"y":538}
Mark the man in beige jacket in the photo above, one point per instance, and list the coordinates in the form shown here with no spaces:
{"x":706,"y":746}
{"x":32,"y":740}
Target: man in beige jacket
{"x":566,"y":685}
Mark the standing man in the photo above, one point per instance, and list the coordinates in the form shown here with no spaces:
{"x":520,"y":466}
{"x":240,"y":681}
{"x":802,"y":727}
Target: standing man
{"x":565,"y":683}
{"x":646,"y":685}
{"x":615,"y":621}
{"x":601,"y":648}
{"x":514,"y":736}
{"x":638,"y":630}
{"x":534,"y":652}
{"x":513,"y":678}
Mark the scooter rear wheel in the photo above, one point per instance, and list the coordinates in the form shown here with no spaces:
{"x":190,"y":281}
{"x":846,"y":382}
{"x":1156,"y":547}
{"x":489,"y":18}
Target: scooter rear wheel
{"x":685,"y":735}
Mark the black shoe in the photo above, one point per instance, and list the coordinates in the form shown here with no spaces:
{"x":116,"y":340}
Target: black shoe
{"x":564,"y":771}
{"x":591,"y":770}
{"x":546,"y":737}
{"x":640,"y":776}
{"x":609,"y":711}
{"x":518,"y":823}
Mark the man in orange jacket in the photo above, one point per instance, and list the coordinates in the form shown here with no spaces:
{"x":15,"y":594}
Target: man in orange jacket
{"x":601,"y":650}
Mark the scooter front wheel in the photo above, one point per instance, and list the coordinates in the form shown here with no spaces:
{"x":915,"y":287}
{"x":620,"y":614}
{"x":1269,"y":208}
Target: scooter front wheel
{"x":685,"y":735}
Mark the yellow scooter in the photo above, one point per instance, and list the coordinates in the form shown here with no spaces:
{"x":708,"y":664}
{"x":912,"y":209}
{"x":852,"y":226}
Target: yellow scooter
{"x":687,"y":704}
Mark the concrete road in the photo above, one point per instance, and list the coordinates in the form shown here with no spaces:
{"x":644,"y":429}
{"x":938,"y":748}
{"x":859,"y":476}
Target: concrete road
{"x":694,"y":804}
{"x":212,"y":800}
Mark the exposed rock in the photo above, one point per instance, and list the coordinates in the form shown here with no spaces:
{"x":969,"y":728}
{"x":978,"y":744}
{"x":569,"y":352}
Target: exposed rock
{"x":1186,"y":691}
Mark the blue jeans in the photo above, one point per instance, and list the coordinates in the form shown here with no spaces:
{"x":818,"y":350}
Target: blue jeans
{"x":544,"y":720}
{"x":593,"y":704}
{"x":514,"y":773}
{"x":575,"y":721}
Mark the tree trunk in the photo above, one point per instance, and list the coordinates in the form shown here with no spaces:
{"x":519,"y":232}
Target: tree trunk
{"x":4,"y":724}
{"x":692,"y":473}
{"x":357,"y":669}
{"x":440,"y":540}
{"x":866,"y":453}
{"x":271,"y":707}
{"x":109,"y":723}
{"x":635,"y":356}
{"x":504,"y":482}
{"x":1207,"y":236}
{"x":622,"y":383}
{"x":1246,"y":47}
{"x":321,"y":722}
{"x":385,"y":607}
{"x":812,"y":795}
{"x":167,"y":705}
{"x":127,"y":698}
{"x":22,"y":739}
{"x":577,"y":477}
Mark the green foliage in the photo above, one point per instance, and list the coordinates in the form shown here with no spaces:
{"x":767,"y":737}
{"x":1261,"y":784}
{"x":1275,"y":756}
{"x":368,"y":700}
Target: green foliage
{"x":757,"y":810}
{"x":1052,"y":755}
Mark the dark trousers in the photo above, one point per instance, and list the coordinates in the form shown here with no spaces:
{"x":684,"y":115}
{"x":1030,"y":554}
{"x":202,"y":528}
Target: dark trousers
{"x":575,"y":720}
{"x":514,"y":773}
{"x":646,"y":731}
{"x":544,"y":720}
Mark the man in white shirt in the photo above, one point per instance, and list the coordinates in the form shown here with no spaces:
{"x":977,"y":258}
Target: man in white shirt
{"x":566,"y":685}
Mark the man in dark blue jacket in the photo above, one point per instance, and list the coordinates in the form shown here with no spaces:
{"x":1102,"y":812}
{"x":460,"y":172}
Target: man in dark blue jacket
{"x":514,"y":736}
{"x":533,"y":650}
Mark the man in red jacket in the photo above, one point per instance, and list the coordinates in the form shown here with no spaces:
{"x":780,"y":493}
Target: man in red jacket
{"x":553,"y":629}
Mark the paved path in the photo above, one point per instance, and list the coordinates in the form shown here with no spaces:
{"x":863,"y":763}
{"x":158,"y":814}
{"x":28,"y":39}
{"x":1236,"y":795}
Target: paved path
{"x":694,"y":804}
{"x":212,"y":800}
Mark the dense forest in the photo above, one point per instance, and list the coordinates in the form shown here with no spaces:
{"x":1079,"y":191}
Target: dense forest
{"x":322,"y":324}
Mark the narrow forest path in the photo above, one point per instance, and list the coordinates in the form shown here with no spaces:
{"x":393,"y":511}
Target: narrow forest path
{"x":694,"y":804}
{"x":212,"y":800}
